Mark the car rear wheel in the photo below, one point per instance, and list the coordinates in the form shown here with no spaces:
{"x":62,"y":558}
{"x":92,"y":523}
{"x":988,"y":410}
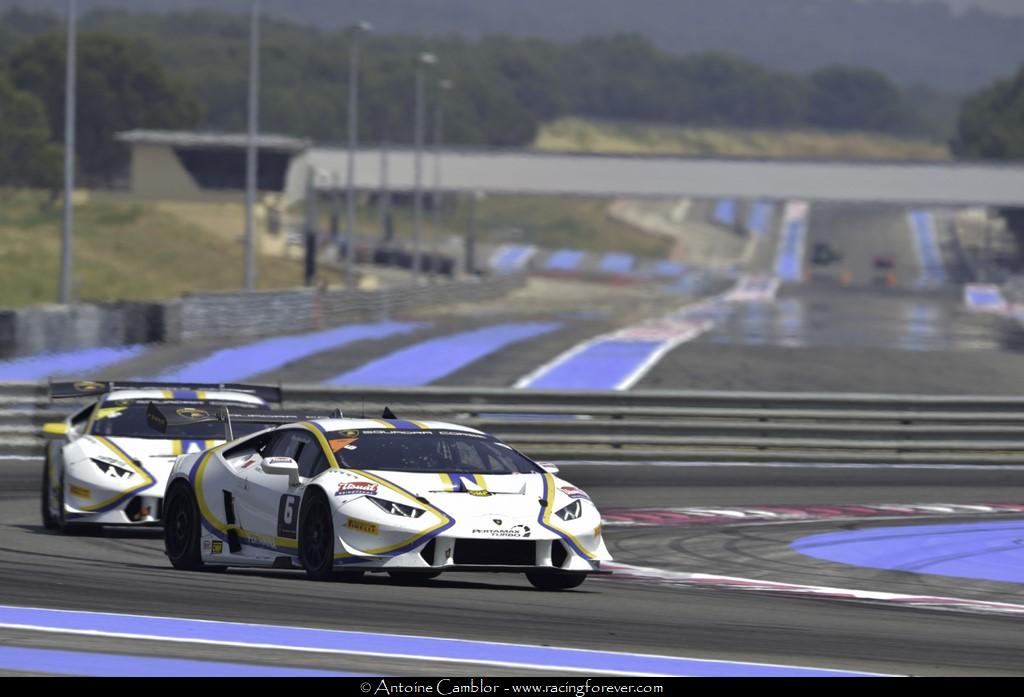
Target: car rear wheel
{"x":548,"y":581}
{"x":316,"y":537}
{"x":181,"y":528}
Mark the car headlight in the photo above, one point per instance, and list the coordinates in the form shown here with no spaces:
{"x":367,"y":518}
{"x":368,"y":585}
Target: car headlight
{"x":112,"y":470}
{"x":399,"y":509}
{"x":571,"y":512}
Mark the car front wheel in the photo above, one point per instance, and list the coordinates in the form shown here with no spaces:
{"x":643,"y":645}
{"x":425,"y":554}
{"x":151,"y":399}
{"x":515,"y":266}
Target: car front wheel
{"x":316,"y":536}
{"x":52,"y":497}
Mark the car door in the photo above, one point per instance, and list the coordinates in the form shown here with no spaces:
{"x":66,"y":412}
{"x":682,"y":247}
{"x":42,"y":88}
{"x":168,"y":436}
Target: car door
{"x":269,"y":508}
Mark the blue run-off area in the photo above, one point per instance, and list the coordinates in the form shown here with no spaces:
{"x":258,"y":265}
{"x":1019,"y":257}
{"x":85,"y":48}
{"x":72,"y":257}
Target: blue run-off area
{"x":106,"y":665}
{"x":67,"y":362}
{"x":667,"y":269}
{"x":512,"y":257}
{"x":240,"y":362}
{"x":564,"y":260}
{"x":922,"y":226}
{"x":790,"y":256}
{"x":412,"y":648}
{"x":617,"y":262}
{"x":984,"y":297}
{"x":991,"y":551}
{"x":433,"y":359}
{"x":724,"y":212}
{"x":760,"y":216}
{"x":603,"y":365}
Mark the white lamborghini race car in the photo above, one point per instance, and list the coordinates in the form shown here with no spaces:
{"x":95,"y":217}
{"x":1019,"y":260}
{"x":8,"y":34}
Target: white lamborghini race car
{"x":339,"y":497}
{"x":110,"y":467}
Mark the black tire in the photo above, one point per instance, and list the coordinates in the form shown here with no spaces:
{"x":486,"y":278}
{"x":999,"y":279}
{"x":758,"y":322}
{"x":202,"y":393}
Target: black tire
{"x":47,"y":496}
{"x":58,"y":522}
{"x":181,"y":528}
{"x":316,"y":536}
{"x":413,"y":576}
{"x":548,"y":581}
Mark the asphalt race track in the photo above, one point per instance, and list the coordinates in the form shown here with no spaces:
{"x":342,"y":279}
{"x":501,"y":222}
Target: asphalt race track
{"x":707,"y":555}
{"x":125,"y":572}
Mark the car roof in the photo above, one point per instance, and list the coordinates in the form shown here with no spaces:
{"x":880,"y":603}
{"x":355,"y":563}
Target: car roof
{"x":183,"y":395}
{"x":344,"y":424}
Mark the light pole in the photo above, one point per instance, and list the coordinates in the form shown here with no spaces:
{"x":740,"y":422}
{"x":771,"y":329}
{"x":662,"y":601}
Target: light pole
{"x":251,"y":164}
{"x":384,"y":198}
{"x":69,"y":155}
{"x":423,"y":61}
{"x":442,"y":87}
{"x":353,"y":116}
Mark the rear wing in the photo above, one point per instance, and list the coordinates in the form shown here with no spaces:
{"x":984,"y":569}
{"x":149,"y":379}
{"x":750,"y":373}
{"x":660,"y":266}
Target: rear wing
{"x":163,"y":420}
{"x":89,"y":388}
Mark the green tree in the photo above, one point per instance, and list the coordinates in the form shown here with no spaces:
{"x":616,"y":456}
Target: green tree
{"x":991,"y":123}
{"x":845,"y":97}
{"x":121,"y":85}
{"x":27,"y":155}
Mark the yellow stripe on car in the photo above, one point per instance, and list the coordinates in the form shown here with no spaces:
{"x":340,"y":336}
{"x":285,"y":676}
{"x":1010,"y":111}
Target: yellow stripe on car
{"x":549,"y":508}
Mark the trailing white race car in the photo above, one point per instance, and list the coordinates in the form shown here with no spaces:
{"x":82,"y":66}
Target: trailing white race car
{"x":339,"y":497}
{"x":110,"y":466}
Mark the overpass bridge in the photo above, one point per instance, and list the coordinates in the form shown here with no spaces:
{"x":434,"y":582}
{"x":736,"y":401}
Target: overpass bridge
{"x":553,"y":173}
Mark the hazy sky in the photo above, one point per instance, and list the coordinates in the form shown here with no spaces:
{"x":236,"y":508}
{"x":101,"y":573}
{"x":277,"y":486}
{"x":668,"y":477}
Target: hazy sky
{"x":1014,"y":7}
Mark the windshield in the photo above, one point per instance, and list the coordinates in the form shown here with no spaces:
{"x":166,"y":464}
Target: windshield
{"x":127,"y":419}
{"x":427,"y":451}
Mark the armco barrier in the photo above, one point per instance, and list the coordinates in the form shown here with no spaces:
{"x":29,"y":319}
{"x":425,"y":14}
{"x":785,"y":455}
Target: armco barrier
{"x":213,"y":315}
{"x":642,"y":426}
{"x":50,"y":328}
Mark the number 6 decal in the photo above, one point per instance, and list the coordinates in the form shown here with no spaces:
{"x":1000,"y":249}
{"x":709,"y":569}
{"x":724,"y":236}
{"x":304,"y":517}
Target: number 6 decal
{"x":287,"y":513}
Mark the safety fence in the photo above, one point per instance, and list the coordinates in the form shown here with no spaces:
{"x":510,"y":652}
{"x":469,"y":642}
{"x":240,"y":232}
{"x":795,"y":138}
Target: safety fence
{"x":655,"y":426}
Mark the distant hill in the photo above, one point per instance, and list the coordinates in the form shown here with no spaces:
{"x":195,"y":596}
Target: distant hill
{"x":953,"y":46}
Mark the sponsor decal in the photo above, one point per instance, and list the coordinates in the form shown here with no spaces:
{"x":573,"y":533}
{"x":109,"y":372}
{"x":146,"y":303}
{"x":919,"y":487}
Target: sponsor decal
{"x":517,"y":531}
{"x":193,"y":413}
{"x":248,"y":463}
{"x":339,"y":443}
{"x":362,"y":526}
{"x":216,"y":547}
{"x":109,"y":413}
{"x":479,"y":492}
{"x":88,"y":386}
{"x":81,"y":492}
{"x":575,"y":493}
{"x":357,"y":488}
{"x":206,"y":546}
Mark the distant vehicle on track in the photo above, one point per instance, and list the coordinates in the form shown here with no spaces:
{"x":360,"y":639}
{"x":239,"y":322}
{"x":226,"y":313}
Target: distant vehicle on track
{"x":884,"y":261}
{"x":109,"y":465}
{"x":339,"y":497}
{"x":822,"y":254}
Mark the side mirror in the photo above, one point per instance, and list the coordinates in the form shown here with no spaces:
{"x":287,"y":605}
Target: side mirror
{"x":282,"y":465}
{"x":549,"y":467}
{"x":55,"y":428}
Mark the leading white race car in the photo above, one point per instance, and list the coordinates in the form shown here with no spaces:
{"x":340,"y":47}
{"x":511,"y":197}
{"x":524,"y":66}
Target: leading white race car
{"x":110,"y":466}
{"x":339,"y":497}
